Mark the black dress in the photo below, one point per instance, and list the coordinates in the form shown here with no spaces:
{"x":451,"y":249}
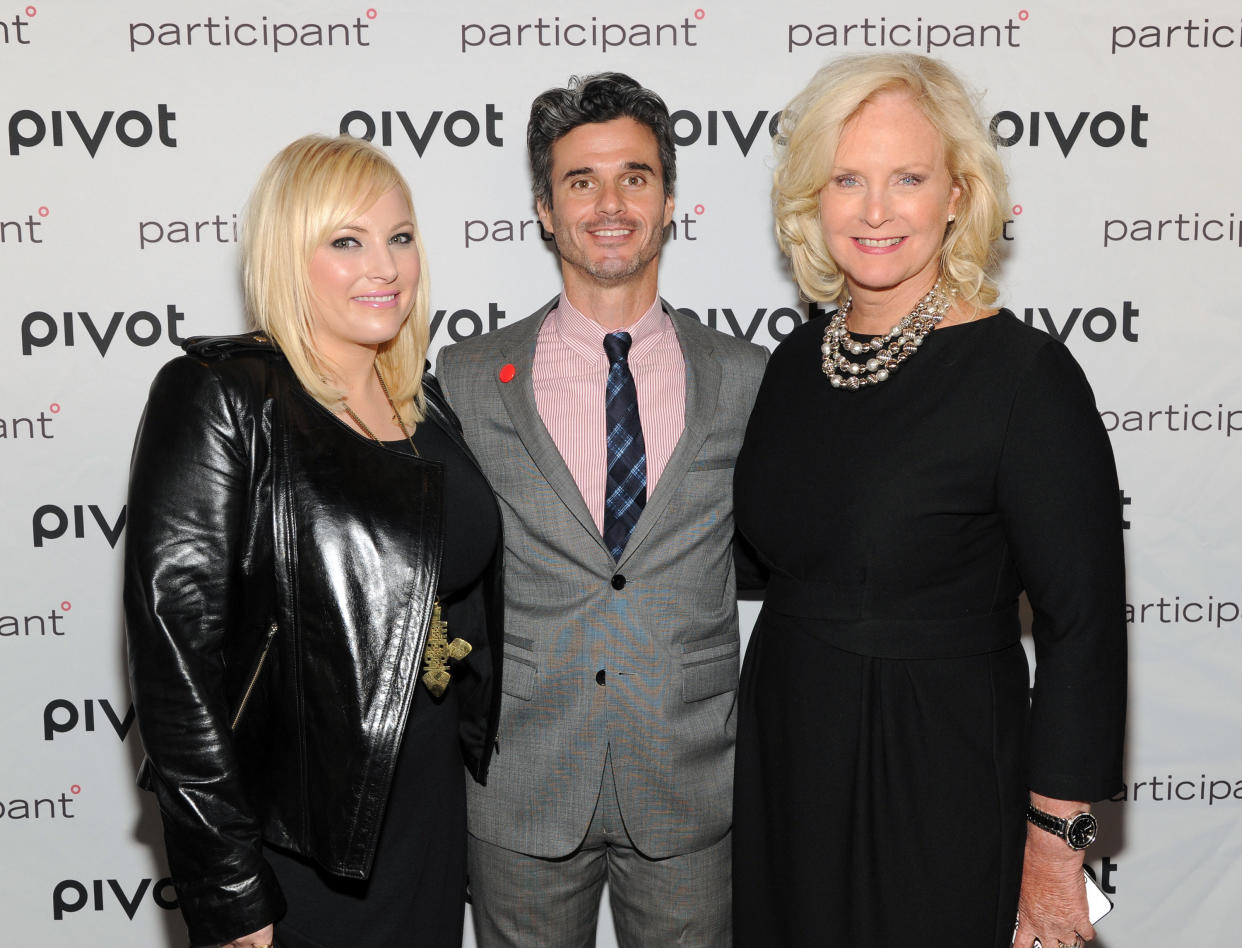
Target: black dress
{"x":415,"y":895}
{"x":886,"y":742}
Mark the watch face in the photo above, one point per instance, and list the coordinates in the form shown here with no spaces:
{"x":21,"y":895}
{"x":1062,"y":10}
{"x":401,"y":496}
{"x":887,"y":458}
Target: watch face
{"x":1081,"y":831}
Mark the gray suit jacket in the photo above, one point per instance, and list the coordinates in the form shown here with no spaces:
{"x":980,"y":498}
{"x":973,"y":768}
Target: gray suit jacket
{"x":662,"y":622}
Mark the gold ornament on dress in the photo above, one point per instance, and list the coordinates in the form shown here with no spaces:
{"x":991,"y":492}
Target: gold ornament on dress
{"x":438,"y":651}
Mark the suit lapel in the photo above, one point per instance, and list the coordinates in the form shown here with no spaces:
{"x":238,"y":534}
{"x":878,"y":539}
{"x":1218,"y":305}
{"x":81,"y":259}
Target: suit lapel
{"x":703,"y":379}
{"x":518,"y":397}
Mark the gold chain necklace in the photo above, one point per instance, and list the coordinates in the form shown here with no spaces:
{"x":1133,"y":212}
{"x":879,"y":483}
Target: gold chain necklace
{"x":396,"y":416}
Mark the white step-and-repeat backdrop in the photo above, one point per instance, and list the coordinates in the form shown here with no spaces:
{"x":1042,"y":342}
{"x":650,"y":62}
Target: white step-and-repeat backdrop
{"x":133,"y":131}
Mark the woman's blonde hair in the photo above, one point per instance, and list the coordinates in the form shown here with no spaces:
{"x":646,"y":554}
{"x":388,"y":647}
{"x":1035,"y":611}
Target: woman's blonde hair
{"x":314,"y":186}
{"x":806,"y":142}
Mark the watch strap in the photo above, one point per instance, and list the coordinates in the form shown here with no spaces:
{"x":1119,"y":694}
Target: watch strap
{"x":1076,"y":839}
{"x":1046,"y":821}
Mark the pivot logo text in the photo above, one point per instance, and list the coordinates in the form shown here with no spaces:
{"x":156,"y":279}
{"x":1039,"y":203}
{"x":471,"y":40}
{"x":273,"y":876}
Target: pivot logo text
{"x":780,"y":321}
{"x":460,"y":128}
{"x":1105,"y":129}
{"x":60,"y":716}
{"x":1105,"y":876}
{"x":50,"y":523}
{"x":465,"y":323}
{"x":134,"y":128}
{"x":142,"y":328}
{"x":688,"y":127}
{"x":1098,"y":324}
{"x":73,"y":896}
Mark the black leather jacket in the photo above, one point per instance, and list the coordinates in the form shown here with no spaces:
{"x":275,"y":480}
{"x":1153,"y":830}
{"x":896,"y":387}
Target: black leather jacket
{"x":280,"y":572}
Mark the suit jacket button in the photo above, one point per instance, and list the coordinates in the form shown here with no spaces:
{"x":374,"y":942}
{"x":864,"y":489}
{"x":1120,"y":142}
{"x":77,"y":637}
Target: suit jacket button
{"x":618,"y":581}
{"x":600,"y":677}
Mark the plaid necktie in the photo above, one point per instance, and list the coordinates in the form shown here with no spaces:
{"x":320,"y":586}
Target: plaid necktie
{"x":625,"y":492}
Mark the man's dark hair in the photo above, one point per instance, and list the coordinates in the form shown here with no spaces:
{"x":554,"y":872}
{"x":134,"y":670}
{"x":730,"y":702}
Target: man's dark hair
{"x":588,"y":99}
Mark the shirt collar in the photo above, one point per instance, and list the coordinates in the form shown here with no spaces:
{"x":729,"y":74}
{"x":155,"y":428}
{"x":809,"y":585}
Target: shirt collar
{"x":586,"y":337}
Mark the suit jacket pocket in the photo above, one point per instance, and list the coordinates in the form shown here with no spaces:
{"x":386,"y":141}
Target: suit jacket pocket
{"x":520,"y":671}
{"x":710,"y":667}
{"x":711,"y":464}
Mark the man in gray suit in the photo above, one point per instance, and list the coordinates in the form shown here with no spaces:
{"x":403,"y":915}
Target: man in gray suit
{"x":608,"y":424}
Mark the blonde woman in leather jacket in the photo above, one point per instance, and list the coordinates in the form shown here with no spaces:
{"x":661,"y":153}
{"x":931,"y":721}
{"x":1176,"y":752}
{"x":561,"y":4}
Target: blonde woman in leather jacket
{"x":312,"y":585}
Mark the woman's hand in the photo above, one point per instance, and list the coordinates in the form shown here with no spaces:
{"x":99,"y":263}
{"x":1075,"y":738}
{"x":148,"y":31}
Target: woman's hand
{"x":263,"y":938}
{"x":1052,"y":904}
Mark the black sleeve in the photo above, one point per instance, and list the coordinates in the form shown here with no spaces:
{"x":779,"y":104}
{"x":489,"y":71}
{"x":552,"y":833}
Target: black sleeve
{"x":185,"y":516}
{"x":752,"y":574}
{"x":1057,"y":490}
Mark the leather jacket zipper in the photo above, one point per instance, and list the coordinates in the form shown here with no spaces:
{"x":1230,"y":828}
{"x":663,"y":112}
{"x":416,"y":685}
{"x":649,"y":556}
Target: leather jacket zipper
{"x":254,"y":679}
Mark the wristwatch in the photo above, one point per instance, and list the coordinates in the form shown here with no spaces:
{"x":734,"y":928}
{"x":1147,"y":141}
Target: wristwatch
{"x":1078,"y":831}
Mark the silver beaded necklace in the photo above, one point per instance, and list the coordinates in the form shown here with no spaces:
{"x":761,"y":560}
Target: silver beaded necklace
{"x":884,"y":353}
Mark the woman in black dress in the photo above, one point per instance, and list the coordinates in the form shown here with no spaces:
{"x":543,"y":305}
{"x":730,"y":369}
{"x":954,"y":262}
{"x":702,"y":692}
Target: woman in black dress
{"x":311,"y":585}
{"x":914,"y":462}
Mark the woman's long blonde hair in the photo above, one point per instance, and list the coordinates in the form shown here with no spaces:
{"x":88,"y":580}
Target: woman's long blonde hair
{"x":311,"y":188}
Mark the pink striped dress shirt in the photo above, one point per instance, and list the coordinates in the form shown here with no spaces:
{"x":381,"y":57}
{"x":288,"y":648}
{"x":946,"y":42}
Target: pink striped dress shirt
{"x":568,"y":376}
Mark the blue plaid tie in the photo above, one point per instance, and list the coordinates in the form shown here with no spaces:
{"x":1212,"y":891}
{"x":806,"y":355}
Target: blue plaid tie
{"x":625,"y":492}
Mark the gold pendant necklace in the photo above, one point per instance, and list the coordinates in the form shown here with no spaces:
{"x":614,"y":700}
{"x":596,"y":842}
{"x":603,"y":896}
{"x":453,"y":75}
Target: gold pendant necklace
{"x":396,"y":416}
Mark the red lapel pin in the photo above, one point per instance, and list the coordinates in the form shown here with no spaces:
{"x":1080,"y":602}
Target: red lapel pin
{"x":507,"y":371}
